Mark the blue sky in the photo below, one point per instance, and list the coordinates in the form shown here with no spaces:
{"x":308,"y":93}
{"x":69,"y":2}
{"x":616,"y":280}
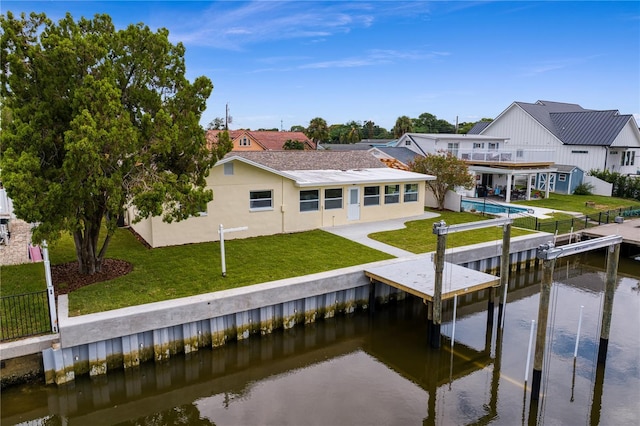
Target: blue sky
{"x":279,"y":64}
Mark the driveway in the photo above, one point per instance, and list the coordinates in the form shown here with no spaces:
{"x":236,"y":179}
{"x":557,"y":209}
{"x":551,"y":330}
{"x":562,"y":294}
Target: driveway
{"x":359,"y":232}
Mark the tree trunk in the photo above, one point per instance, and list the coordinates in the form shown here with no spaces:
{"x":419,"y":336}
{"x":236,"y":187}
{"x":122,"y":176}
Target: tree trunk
{"x":86,"y":242}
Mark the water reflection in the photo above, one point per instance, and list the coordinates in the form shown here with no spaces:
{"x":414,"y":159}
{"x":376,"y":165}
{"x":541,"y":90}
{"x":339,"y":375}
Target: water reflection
{"x":362,"y":370}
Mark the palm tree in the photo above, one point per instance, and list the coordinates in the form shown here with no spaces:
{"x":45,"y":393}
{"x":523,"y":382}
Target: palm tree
{"x":318,"y":131}
{"x":403,"y":125}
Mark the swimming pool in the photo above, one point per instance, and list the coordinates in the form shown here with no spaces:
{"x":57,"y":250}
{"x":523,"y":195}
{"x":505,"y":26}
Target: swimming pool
{"x":491,"y":208}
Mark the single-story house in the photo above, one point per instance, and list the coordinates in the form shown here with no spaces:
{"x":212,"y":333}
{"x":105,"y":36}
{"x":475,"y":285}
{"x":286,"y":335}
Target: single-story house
{"x":274,"y":192}
{"x":260,"y":140}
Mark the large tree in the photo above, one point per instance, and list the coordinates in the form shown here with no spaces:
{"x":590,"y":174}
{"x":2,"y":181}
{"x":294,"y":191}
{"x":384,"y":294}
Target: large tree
{"x":449,"y":171}
{"x":100,"y":119}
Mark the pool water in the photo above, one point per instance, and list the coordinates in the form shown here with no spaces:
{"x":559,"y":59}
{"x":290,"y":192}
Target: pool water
{"x":481,"y":206}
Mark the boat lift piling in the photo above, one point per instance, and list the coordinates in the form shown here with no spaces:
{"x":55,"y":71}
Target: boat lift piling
{"x":442,"y":230}
{"x":548,"y":253}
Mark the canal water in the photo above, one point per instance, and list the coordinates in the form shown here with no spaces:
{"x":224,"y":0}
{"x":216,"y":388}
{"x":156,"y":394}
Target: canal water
{"x":378,"y":370}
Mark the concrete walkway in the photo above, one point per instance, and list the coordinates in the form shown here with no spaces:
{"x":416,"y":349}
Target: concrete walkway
{"x":359,"y":232}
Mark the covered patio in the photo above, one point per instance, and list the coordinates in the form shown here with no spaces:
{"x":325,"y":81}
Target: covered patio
{"x":500,"y":182}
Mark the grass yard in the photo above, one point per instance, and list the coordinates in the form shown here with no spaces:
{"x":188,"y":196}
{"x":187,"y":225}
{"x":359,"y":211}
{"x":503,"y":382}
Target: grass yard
{"x":418,"y":236}
{"x":172,"y":272}
{"x":578,"y":203}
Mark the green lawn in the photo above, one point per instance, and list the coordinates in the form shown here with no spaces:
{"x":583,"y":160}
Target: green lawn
{"x":171,"y":272}
{"x":577,"y":203}
{"x":418,"y":235}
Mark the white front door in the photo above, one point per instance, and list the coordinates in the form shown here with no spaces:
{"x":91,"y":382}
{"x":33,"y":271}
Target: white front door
{"x":353,"y":209}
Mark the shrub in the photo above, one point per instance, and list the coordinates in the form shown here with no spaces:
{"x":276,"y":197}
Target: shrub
{"x":583,"y":189}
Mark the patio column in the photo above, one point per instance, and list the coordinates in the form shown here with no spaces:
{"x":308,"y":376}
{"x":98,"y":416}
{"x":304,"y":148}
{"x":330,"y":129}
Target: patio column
{"x":507,"y":195}
{"x":529,"y":187}
{"x":546,"y":192}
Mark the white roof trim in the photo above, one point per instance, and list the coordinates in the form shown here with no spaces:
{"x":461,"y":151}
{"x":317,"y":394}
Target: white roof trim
{"x":309,"y":178}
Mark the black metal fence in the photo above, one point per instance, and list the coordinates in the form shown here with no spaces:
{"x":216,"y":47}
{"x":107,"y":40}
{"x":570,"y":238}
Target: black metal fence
{"x":577,"y":223}
{"x":24,"y":315}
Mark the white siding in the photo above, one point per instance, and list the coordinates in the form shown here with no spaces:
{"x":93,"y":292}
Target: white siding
{"x":522,"y":130}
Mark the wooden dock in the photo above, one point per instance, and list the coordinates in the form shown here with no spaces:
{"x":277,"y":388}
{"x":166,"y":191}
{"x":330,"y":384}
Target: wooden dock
{"x":629,"y":230}
{"x":417,"y":276}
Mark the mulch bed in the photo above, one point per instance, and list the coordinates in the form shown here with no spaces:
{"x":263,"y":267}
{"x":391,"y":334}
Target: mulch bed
{"x":66,"y":277}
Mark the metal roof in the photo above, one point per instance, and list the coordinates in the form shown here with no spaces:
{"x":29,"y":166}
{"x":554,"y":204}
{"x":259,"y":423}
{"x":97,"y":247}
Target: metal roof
{"x":478,"y":127}
{"x":574,"y":125}
{"x":307,"y":178}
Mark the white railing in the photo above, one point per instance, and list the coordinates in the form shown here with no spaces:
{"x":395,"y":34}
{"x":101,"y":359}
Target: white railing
{"x":507,"y":155}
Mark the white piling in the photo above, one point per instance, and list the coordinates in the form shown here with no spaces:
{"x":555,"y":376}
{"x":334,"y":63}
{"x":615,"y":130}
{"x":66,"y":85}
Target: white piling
{"x":53,"y":315}
{"x":455,"y":307}
{"x":570,"y":234}
{"x":575,"y":351}
{"x":526,"y":371}
{"x":222,"y":260}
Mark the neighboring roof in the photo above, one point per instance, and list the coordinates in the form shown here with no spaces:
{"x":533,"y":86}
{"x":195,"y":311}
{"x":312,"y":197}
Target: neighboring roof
{"x":269,"y":140}
{"x":452,"y":136}
{"x":574,"y":125}
{"x":400,"y":153}
{"x":317,"y":168}
{"x":478,"y":127}
{"x":565,"y":168}
{"x":346,"y":146}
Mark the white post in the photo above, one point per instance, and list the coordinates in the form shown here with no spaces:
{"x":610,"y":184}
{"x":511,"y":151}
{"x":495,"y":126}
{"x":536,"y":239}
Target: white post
{"x":453,"y":330}
{"x":575,"y":351}
{"x":221,"y":231}
{"x":526,"y":371}
{"x":51,"y":296}
{"x":222,"y":259}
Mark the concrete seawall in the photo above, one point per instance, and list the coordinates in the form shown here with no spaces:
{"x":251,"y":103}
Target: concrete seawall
{"x":96,"y":343}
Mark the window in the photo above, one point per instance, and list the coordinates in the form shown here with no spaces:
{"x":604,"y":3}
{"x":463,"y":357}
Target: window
{"x":407,"y":142}
{"x":519,"y":153}
{"x":628,"y":158}
{"x":260,"y":200}
{"x":410,"y":192}
{"x":494,"y":146}
{"x":309,"y":200}
{"x":579,"y":152}
{"x":333,"y":198}
{"x":245,"y":141}
{"x":452,"y":147}
{"x":371,"y":195}
{"x":562,"y":177}
{"x":478,"y":145}
{"x":228,"y":169}
{"x":391,"y":194}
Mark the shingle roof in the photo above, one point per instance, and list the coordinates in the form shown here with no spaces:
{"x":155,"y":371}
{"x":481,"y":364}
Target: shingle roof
{"x":311,"y":160}
{"x":574,"y":125}
{"x":400,"y":153}
{"x":269,"y":140}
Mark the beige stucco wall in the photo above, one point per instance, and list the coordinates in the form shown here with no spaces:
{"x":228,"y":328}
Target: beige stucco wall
{"x":230,"y":207}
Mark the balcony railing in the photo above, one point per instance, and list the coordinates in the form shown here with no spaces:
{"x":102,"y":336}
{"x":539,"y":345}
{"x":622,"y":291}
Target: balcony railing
{"x":508,"y":156}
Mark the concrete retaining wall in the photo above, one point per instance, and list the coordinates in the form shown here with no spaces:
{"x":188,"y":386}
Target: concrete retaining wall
{"x":97,"y":343}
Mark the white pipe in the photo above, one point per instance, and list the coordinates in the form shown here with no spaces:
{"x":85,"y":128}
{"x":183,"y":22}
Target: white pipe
{"x":222,"y":259}
{"x":455,"y":306}
{"x":51,"y":296}
{"x":575,"y":351}
{"x":526,"y":371}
